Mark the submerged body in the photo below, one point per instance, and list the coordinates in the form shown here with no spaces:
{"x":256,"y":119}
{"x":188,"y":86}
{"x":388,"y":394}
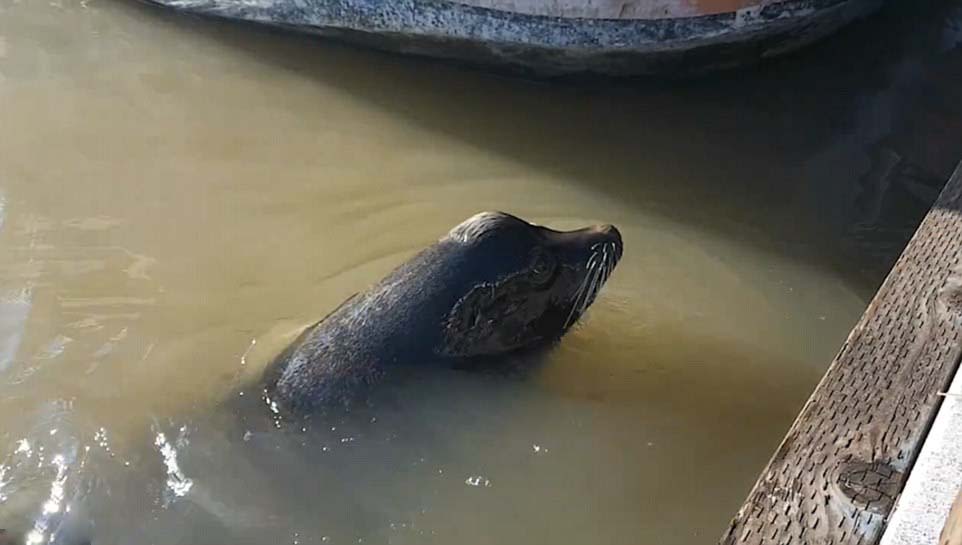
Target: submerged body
{"x":493,"y":285}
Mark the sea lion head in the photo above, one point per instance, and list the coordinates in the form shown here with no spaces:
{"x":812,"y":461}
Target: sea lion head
{"x":529,"y":283}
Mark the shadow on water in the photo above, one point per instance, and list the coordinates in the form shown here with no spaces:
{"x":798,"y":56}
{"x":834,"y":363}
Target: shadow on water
{"x":787,"y":155}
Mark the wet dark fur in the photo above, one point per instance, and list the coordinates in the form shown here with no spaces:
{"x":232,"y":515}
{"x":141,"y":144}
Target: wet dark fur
{"x":494,"y":285}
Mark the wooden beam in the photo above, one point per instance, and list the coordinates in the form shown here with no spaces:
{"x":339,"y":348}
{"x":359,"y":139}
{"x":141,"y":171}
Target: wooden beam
{"x":840,"y":468}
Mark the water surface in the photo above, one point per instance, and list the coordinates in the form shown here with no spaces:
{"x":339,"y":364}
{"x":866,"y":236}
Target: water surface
{"x":178,"y":197}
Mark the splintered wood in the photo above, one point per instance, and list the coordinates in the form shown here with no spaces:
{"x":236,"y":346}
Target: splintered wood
{"x":838,"y":472}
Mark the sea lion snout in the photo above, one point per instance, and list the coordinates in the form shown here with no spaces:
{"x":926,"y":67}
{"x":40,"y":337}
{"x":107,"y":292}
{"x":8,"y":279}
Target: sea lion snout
{"x":582,"y":243}
{"x":610,"y":233}
{"x":607,"y":230}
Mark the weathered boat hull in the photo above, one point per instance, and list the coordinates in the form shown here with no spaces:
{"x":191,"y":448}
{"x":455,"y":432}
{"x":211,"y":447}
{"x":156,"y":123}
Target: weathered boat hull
{"x":530,"y":41}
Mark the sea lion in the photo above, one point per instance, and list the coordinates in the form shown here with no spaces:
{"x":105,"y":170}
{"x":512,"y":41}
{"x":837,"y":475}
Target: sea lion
{"x":494,"y":284}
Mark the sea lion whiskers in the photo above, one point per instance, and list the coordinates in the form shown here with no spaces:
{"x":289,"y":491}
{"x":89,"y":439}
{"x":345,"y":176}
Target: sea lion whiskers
{"x":593,"y":289}
{"x":578,"y":293}
{"x":609,"y":260}
{"x":600,"y":278}
{"x":582,"y":298}
{"x":585,"y":288}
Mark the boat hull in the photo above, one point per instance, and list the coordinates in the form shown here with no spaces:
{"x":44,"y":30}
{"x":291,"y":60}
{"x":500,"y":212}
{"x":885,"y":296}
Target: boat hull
{"x":548,"y":45}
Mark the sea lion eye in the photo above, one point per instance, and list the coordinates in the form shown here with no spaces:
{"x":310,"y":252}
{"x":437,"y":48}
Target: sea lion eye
{"x":542,"y":268}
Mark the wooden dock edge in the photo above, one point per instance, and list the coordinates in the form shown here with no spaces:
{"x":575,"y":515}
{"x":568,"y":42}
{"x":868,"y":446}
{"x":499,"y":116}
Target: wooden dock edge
{"x":923,"y":511}
{"x":838,"y":472}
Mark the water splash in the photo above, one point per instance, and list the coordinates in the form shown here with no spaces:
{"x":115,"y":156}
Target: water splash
{"x":243,"y":359}
{"x":276,"y":416}
{"x":177,"y":482}
{"x":54,"y":504}
{"x":478,"y":481}
{"x":23,"y":447}
{"x":3,"y":482}
{"x":102,"y":441}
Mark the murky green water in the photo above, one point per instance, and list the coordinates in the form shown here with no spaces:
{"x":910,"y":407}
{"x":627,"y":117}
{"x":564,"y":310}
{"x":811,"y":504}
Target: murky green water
{"x":178,"y":197}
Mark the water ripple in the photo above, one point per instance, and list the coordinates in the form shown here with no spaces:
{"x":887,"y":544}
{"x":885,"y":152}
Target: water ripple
{"x":14,"y":310}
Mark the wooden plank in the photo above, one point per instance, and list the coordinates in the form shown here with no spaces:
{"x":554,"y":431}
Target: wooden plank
{"x":920,"y":514}
{"x":837,"y":473}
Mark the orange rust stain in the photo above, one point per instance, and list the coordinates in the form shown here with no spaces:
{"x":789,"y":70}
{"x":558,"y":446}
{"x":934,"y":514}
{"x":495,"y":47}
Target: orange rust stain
{"x":619,"y":9}
{"x":712,"y":7}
